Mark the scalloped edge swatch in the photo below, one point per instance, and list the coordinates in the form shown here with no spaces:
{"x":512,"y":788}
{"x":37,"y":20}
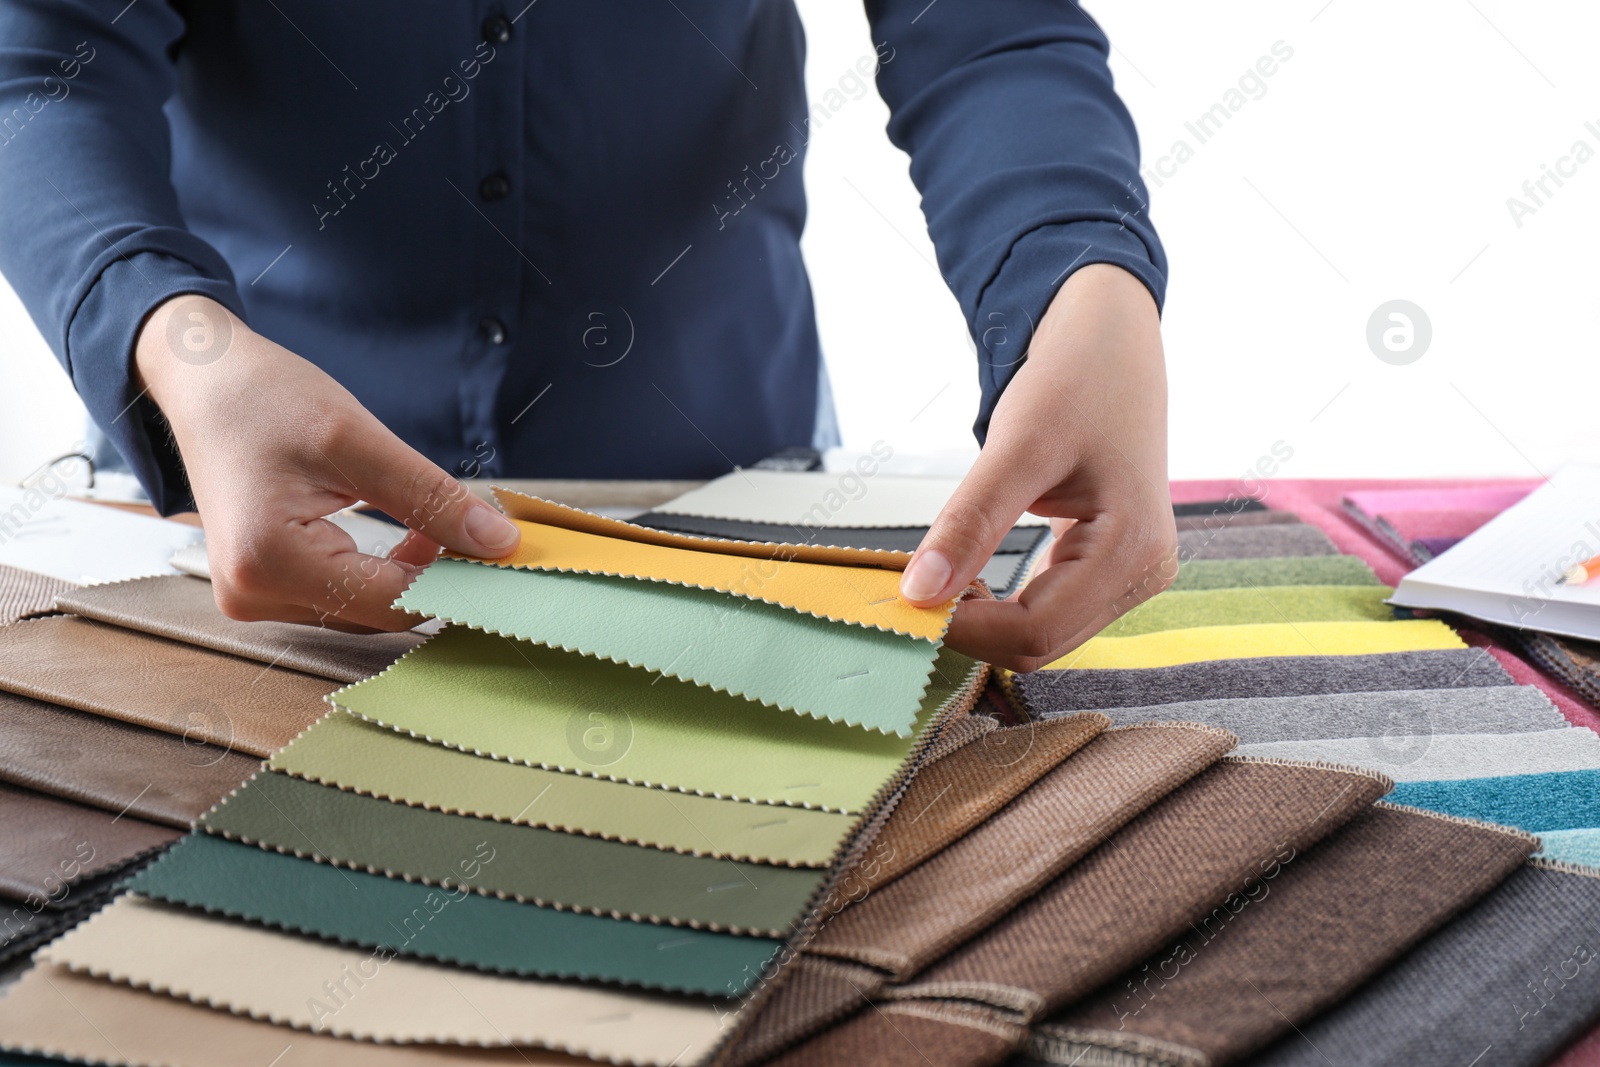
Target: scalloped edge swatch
{"x":1259,"y":640}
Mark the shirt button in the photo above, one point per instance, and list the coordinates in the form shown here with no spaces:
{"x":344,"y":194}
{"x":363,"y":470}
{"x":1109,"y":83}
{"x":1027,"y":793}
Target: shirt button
{"x":493,"y":331}
{"x":496,"y":30}
{"x":495,"y":186}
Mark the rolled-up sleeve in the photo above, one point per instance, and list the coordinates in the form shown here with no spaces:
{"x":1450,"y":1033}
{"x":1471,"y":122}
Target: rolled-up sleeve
{"x":91,"y":236}
{"x":1027,"y":161}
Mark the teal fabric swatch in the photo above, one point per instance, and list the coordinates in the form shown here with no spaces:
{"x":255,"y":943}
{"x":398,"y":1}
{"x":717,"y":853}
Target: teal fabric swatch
{"x":1537,"y":803}
{"x":1581,"y":847}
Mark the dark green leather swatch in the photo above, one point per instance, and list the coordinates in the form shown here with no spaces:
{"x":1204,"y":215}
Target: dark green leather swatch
{"x":529,"y":863}
{"x":449,"y":925}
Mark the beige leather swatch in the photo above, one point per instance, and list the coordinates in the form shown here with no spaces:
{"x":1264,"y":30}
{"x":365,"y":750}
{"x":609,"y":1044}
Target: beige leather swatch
{"x":295,"y":981}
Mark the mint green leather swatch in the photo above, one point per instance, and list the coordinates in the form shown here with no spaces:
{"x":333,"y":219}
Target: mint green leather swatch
{"x":797,"y":662}
{"x":500,"y":697}
{"x":451,"y":925}
{"x":535,"y":866}
{"x":1184,"y":609}
{"x":346,"y":751}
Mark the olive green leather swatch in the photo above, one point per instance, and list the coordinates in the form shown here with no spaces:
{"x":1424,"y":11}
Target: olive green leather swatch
{"x":763,"y":652}
{"x":1180,"y":610}
{"x":451,"y":925}
{"x":350,"y":753}
{"x":1283,"y":570}
{"x":532,"y":865}
{"x":508,"y":699}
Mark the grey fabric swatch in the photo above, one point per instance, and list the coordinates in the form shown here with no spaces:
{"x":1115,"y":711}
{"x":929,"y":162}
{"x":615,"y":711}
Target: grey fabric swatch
{"x":1048,"y":692}
{"x":1020,"y":540}
{"x":1448,"y":757}
{"x":1223,"y":506}
{"x":1385,"y":714}
{"x":1254,"y":542}
{"x":1519,"y":973}
{"x":1002,"y":571}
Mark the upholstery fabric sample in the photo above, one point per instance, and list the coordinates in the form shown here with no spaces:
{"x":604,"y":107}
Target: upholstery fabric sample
{"x":1003,"y":571}
{"x":1330,"y":920}
{"x":1204,"y":643}
{"x":1445,"y":498}
{"x":113,"y":765}
{"x":52,"y":846}
{"x":955,"y":793}
{"x":1441,"y":756}
{"x":917,"y":1034}
{"x":510,"y":700}
{"x":1286,"y":676}
{"x":1417,"y":525}
{"x":1518,"y":973}
{"x":183,"y":608}
{"x":348,"y":752}
{"x":792,"y":661}
{"x":1399,"y":722}
{"x":1270,"y":604}
{"x":1578,"y":847}
{"x":864,"y":596}
{"x":531,"y":865}
{"x":910,"y":922}
{"x":1575,"y":662}
{"x":193,"y":692}
{"x":1562,"y":800}
{"x":24,"y":593}
{"x":812,"y":992}
{"x":1291,"y":570}
{"x":1254,"y":542}
{"x":1221,"y":521}
{"x":1020,"y":540}
{"x":1234,"y":505}
{"x":53,"y":1011}
{"x":450,"y":925}
{"x":1191,"y":857}
{"x":255,"y":972}
{"x":24,"y":927}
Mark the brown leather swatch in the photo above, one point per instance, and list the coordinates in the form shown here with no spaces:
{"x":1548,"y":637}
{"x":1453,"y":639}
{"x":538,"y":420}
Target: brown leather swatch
{"x":52,"y":1011}
{"x":907,"y":924}
{"x":53,"y":848}
{"x":1225,"y":836}
{"x":183,"y":608}
{"x":193,"y":692}
{"x":110,"y":764}
{"x":1332,"y":919}
{"x":24,"y":593}
{"x":918,"y":1034}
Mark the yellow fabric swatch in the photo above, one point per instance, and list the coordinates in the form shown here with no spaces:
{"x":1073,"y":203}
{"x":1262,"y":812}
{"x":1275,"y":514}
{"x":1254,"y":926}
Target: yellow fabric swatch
{"x":1171,"y":647}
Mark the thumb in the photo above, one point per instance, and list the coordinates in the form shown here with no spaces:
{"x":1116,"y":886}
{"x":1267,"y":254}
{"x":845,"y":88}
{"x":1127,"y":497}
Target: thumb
{"x":969,"y":528}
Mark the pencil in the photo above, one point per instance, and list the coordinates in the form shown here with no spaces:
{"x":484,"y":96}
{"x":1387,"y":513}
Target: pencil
{"x":1579,"y":573}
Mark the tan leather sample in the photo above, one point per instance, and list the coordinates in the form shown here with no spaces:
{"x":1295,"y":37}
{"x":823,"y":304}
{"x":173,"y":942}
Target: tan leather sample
{"x":113,"y":765}
{"x":280,"y":977}
{"x":193,"y":692}
{"x":52,"y":846}
{"x":51,"y":1011}
{"x":183,"y":608}
{"x":24,"y":593}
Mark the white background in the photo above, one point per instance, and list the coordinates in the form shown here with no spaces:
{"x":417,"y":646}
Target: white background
{"x":1376,"y":166}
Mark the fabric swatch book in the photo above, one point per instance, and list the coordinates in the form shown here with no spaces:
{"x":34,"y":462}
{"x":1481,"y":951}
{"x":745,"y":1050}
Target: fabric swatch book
{"x":1509,"y":571}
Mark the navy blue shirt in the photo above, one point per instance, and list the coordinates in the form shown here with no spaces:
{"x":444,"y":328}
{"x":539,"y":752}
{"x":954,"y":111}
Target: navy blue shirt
{"x":552,"y":240}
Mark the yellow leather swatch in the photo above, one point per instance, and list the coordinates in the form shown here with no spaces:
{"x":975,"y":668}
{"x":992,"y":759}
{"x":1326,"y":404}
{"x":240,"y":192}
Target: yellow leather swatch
{"x":865,"y":596}
{"x":1171,"y":647}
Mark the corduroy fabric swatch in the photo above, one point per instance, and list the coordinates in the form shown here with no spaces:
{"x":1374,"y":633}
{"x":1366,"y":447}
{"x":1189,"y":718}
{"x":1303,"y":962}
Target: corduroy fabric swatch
{"x":915,"y":1034}
{"x":350,"y":753}
{"x":1331,"y":919}
{"x":1203,"y":643}
{"x":1254,"y":542}
{"x":1562,"y":800}
{"x":449,"y":925}
{"x":905,"y":925}
{"x":184,"y":609}
{"x":1428,"y":756}
{"x":1287,"y":676}
{"x":1220,"y":836}
{"x":113,"y":765}
{"x":1261,"y":573}
{"x":1515,"y":977}
{"x":24,"y":593}
{"x":53,"y":847}
{"x":1019,"y":540}
{"x":1267,"y":604}
{"x":533,"y":865}
{"x":511,"y":700}
{"x":86,"y":1020}
{"x":150,"y":681}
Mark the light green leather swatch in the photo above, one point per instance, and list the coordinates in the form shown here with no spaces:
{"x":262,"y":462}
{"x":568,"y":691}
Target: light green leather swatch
{"x":525,"y":863}
{"x":1180,"y":610}
{"x":350,"y":753}
{"x":500,"y":697}
{"x":450,"y":925}
{"x":1281,"y":570}
{"x":836,"y":671}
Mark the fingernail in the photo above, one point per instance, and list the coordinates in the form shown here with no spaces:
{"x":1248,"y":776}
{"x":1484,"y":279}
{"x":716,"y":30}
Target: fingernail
{"x":926,"y":577}
{"x":491,"y":529}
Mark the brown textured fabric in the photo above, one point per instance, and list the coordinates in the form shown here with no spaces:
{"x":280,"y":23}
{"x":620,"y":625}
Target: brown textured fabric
{"x":949,"y":797}
{"x":113,"y":765}
{"x":815,"y":992}
{"x":1573,"y":661}
{"x":928,"y":1034}
{"x":912,"y":921}
{"x":182,"y":608}
{"x":24,"y":593}
{"x":1227,"y":832}
{"x":1333,"y":918}
{"x":150,"y":681}
{"x":51,"y":848}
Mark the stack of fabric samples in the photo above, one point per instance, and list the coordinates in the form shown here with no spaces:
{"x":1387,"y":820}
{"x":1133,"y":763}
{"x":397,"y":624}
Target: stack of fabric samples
{"x":1418,"y":524}
{"x":586,"y":819}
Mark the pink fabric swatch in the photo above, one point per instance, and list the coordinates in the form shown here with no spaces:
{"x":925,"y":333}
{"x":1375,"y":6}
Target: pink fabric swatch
{"x":1415,"y":525}
{"x":1472,"y":497}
